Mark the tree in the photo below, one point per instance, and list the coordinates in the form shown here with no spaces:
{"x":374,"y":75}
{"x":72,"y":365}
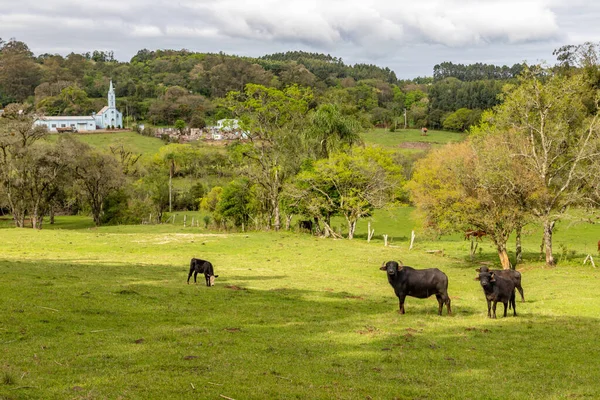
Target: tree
{"x":17,"y":161}
{"x":275,"y":121}
{"x":180,"y":126}
{"x":331,"y":131}
{"x":554,"y":137}
{"x":237,"y":202}
{"x":473,"y":184}
{"x":350,"y":184}
{"x":97,"y":174}
{"x":19,"y":73}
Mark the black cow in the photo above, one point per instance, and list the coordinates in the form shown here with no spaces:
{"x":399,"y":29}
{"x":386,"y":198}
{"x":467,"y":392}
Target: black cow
{"x":511,"y":274}
{"x":198,"y":266}
{"x":497,"y":289}
{"x":419,"y":283}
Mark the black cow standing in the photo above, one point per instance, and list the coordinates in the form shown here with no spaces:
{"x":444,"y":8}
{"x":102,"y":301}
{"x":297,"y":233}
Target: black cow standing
{"x":419,"y":283}
{"x":198,"y":266}
{"x":497,"y":289}
{"x":511,"y":274}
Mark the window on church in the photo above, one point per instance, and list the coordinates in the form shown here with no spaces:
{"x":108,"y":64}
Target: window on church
{"x":54,"y":125}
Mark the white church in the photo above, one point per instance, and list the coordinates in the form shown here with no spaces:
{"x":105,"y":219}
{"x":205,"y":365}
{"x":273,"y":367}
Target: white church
{"x":106,"y":118}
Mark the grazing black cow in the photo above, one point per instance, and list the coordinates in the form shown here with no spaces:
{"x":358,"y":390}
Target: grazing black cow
{"x":198,"y":266}
{"x":419,"y":283}
{"x":511,"y":274}
{"x":497,"y":289}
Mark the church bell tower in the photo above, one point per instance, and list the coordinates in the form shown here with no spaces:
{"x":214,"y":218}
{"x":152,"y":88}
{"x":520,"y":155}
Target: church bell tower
{"x":111,"y":96}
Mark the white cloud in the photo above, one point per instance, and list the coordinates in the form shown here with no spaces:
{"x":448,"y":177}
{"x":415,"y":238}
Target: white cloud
{"x":365,"y":29}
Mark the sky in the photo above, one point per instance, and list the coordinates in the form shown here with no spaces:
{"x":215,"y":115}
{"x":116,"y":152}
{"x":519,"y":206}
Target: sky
{"x":408,"y":36}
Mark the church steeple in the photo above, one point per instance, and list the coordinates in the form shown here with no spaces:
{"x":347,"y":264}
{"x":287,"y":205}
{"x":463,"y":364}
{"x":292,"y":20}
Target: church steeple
{"x":111,"y":96}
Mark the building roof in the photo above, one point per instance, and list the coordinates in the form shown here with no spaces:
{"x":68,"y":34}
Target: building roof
{"x":102,"y":110}
{"x":87,"y":117}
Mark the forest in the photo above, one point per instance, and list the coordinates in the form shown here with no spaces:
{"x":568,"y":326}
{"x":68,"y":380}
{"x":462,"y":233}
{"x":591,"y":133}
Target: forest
{"x":531,"y":153}
{"x":163,"y":86}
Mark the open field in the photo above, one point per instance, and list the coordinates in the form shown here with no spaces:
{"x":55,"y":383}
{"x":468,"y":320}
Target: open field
{"x":145,"y":145}
{"x":410,"y":140}
{"x":96,"y":313}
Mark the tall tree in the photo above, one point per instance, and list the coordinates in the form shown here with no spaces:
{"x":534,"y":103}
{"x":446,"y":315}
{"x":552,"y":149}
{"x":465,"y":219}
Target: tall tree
{"x":17,"y":135}
{"x":475,"y":184}
{"x":97,"y":174}
{"x":555,"y":137}
{"x":19,"y":73}
{"x":331,"y":131}
{"x":275,"y":121}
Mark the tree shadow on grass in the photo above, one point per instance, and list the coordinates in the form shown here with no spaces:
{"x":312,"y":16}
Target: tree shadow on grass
{"x":290,"y":342}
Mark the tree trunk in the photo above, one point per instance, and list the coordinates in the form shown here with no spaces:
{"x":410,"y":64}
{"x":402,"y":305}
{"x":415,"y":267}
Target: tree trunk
{"x":52,"y":215}
{"x":548,"y":229}
{"x":276,"y":216}
{"x":351,"y":228}
{"x":503,"y":255}
{"x":518,"y":247}
{"x":288,"y":221}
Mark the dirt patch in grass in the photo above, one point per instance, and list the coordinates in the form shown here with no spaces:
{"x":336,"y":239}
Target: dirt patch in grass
{"x":415,"y":145}
{"x":233,"y":287}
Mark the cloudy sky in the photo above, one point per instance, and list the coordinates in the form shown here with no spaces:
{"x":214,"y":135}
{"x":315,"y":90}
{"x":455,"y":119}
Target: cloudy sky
{"x":408,"y":36}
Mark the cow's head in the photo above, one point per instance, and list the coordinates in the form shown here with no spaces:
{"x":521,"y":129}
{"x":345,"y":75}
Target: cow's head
{"x":486,"y":278}
{"x":211,"y":280}
{"x":483,"y":269}
{"x":392,"y":267}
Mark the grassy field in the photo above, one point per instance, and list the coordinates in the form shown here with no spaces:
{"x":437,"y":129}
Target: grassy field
{"x":146,"y":145}
{"x":410,"y":139}
{"x":97,"y":313}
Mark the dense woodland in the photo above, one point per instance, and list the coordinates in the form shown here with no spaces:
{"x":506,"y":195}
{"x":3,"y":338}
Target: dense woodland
{"x":533,"y":149}
{"x":163,"y":86}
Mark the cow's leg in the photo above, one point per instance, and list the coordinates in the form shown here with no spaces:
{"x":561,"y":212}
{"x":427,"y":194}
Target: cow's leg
{"x":440,"y":300}
{"x":401,"y":301}
{"x":447,"y":301}
{"x":489,"y":308}
{"x":195,"y":275}
{"x":494,"y":309}
{"x":207,"y":279}
{"x":513,"y":300}
{"x":505,"y":303}
{"x":190,"y":274}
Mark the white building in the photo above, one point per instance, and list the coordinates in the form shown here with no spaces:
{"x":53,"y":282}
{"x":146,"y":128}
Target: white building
{"x":106,"y":118}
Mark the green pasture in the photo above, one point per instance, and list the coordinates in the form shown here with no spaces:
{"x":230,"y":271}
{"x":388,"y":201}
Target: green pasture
{"x":105,"y":313}
{"x":400,"y":138}
{"x":145,"y":145}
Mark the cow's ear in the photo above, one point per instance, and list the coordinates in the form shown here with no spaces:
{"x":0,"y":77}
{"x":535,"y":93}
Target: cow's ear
{"x":478,"y":270}
{"x":478,"y":278}
{"x":382,"y":268}
{"x":493,"y":277}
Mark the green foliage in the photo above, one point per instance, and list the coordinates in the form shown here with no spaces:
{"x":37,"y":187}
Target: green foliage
{"x":475,"y":72}
{"x":349,"y":184}
{"x":237,"y":202}
{"x":461,"y":120}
